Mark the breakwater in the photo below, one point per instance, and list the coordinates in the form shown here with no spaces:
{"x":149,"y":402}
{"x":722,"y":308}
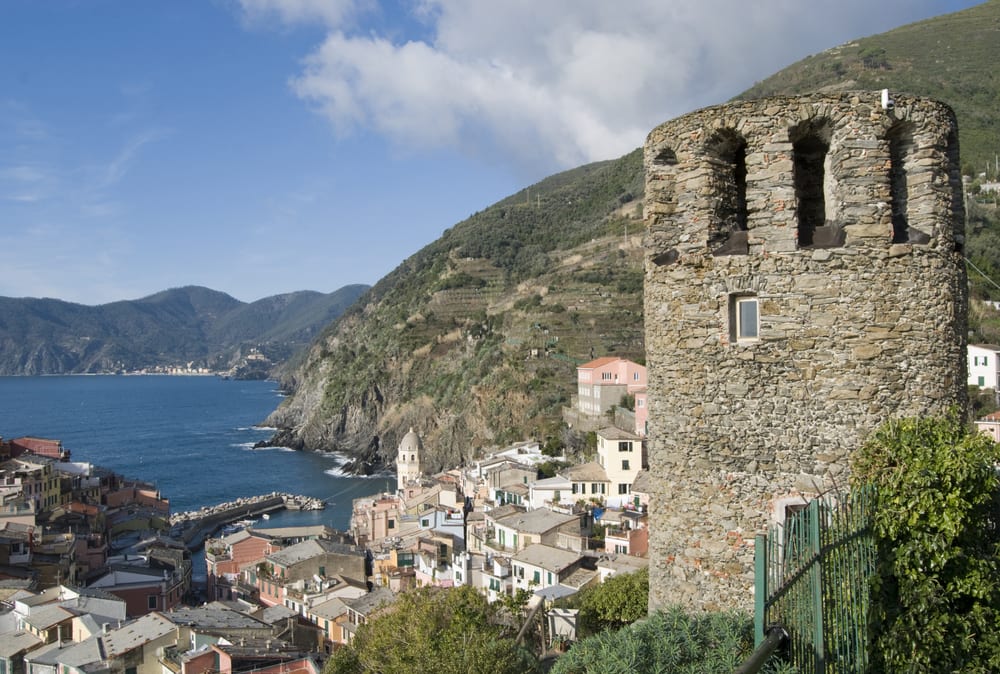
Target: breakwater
{"x":193,"y":526}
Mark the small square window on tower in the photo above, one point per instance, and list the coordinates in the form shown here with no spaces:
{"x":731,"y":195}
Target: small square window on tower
{"x":744,"y":315}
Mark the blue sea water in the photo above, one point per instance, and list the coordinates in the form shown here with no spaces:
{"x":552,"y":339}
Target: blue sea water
{"x":191,"y":436}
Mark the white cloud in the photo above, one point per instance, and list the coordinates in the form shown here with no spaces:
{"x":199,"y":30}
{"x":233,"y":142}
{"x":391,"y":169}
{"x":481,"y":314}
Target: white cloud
{"x":331,"y":12}
{"x":560,"y":82}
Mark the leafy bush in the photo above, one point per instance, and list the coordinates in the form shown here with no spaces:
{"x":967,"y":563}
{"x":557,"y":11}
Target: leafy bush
{"x":667,"y":641}
{"x":618,"y":601}
{"x":936,"y":592}
{"x":434,"y":630}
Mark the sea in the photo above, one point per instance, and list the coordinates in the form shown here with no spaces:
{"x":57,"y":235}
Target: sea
{"x":191,"y":436}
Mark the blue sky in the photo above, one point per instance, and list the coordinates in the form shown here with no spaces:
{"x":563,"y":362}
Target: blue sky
{"x":264,"y":146}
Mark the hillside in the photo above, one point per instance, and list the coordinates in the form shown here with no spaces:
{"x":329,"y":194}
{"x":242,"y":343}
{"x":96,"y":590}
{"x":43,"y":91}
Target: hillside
{"x":473,"y":340}
{"x":952,"y":58}
{"x":195,"y":325}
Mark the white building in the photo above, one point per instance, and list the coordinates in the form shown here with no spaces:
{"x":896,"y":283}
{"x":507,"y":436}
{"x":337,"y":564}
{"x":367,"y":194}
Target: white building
{"x":540,"y":566}
{"x":984,"y":365}
{"x":620,"y":454}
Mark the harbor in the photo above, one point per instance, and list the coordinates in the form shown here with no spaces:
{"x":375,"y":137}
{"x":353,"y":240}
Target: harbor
{"x":194,"y":526}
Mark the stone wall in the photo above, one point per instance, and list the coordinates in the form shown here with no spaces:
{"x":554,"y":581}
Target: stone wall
{"x":843,"y":223}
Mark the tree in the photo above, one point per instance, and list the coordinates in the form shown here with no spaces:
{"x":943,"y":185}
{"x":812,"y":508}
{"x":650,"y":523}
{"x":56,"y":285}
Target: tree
{"x":618,"y":601}
{"x":435,"y":630}
{"x":936,"y":591}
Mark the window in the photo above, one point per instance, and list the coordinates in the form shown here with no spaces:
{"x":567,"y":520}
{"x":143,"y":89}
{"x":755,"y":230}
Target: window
{"x":605,"y":376}
{"x":635,"y":376}
{"x":550,"y":577}
{"x":621,"y":549}
{"x":151,"y":601}
{"x":425,"y":522}
{"x":392,"y":524}
{"x":537,"y":578}
{"x":984,"y":361}
{"x":593,"y":487}
{"x":622,"y":488}
{"x":641,"y":402}
{"x":743,"y":318}
{"x":624,"y":446}
{"x":975,"y":360}
{"x":625,"y":465}
{"x":574,"y":488}
{"x":982,"y":381}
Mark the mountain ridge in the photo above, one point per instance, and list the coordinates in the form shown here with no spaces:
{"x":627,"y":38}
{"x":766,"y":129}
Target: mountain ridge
{"x":176,"y":327}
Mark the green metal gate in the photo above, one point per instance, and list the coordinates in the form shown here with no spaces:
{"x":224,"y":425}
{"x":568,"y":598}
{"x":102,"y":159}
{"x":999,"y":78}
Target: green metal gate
{"x":812,"y":577}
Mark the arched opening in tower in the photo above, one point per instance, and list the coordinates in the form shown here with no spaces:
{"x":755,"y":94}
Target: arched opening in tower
{"x":726,"y":152}
{"x":901,"y":150}
{"x":810,"y":146}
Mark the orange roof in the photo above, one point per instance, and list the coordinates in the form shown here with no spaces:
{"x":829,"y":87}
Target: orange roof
{"x":599,"y":362}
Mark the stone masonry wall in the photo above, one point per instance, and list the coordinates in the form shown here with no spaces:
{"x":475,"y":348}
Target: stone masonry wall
{"x":854,"y":329}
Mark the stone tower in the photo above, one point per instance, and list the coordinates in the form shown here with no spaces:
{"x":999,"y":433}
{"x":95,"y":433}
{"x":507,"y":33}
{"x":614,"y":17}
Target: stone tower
{"x":408,"y":459}
{"x":804,"y":283}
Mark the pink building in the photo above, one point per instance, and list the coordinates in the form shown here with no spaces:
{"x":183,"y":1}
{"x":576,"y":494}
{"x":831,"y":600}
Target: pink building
{"x":53,"y":449}
{"x":602,"y":383}
{"x":226,"y":557}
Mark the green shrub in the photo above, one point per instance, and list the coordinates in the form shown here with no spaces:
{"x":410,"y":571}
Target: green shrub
{"x":618,"y":601}
{"x":936,"y":592}
{"x":667,"y":641}
{"x":435,"y":630}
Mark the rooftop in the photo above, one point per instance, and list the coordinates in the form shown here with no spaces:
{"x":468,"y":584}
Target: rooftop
{"x":12,"y":644}
{"x":367,"y":603}
{"x":586,"y":472}
{"x":214,"y":619}
{"x":148,"y":628}
{"x":547,"y":557}
{"x":536,"y":521}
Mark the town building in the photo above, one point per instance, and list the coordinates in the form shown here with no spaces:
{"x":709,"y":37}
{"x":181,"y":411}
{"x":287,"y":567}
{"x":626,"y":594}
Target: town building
{"x":622,"y":455}
{"x":984,"y":365}
{"x":603,"y":382}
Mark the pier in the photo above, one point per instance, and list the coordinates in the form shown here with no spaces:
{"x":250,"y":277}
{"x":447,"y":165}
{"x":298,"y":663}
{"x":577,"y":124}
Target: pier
{"x":193,"y":527}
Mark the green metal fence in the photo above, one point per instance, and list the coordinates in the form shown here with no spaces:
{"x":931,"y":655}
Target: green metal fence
{"x":812,"y":577}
